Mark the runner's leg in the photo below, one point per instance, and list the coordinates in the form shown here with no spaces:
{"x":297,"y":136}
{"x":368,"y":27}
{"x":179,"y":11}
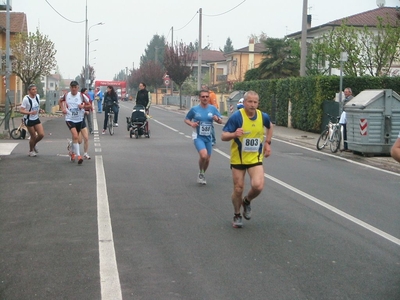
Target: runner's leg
{"x":238,"y":186}
{"x":256,"y":174}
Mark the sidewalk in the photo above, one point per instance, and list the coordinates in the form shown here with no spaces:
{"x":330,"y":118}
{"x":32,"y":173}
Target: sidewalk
{"x":309,"y":140}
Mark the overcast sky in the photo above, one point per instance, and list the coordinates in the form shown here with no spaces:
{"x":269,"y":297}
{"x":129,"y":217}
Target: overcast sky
{"x":130,"y":25}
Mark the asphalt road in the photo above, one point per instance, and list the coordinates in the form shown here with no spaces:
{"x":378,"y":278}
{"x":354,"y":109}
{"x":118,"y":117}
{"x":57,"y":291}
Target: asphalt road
{"x":132,"y":223}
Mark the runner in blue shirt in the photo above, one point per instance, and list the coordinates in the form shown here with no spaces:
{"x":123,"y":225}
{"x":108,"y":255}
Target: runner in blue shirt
{"x":201,"y":118}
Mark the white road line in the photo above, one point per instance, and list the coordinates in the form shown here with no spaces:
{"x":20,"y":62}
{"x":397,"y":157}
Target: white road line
{"x":109,"y":277}
{"x":7,"y":148}
{"x":339,"y":157}
{"x":173,"y":129}
{"x":327,"y":206}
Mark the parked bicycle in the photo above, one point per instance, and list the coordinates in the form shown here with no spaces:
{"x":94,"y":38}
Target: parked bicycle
{"x":20,"y":131}
{"x":330,"y":135}
{"x":110,"y":122}
{"x":8,"y":117}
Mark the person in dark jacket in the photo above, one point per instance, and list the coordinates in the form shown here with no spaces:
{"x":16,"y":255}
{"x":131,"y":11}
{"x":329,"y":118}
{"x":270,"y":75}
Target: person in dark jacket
{"x":143,"y":97}
{"x":110,"y":101}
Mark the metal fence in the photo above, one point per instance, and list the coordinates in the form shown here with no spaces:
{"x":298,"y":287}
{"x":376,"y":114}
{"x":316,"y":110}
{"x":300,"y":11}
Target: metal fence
{"x":187,"y":101}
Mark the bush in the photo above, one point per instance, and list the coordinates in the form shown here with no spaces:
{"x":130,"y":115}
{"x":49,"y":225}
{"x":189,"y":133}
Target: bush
{"x":307,"y":95}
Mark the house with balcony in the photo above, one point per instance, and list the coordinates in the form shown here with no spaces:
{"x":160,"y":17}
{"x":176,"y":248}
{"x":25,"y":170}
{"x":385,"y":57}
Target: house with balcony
{"x":208,"y":58}
{"x":241,"y":60}
{"x":51,"y":82}
{"x":18,"y":24}
{"x":364,"y":19}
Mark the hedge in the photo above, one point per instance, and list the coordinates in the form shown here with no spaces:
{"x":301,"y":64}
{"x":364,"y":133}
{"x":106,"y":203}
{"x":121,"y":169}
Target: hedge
{"x":307,"y":95}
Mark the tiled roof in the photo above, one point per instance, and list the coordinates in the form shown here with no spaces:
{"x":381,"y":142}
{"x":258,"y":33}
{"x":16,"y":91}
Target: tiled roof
{"x":55,"y":76}
{"x":18,"y":22}
{"x":258,"y":48}
{"x":368,"y":18}
{"x":211,"y":55}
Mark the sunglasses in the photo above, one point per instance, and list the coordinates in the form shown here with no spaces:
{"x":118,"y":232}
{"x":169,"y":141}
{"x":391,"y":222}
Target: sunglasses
{"x":203,"y":96}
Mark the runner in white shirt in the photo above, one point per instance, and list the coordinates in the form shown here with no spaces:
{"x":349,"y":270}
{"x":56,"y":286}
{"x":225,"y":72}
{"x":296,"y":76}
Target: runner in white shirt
{"x":30,"y":107}
{"x":72,"y":105}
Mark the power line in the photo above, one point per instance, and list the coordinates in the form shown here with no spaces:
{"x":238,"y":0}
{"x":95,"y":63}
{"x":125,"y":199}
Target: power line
{"x":168,"y":33}
{"x":62,"y":15}
{"x":226,"y":11}
{"x":189,"y":21}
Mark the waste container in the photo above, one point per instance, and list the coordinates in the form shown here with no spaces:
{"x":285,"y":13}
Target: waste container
{"x":232,"y":101}
{"x":373,"y":121}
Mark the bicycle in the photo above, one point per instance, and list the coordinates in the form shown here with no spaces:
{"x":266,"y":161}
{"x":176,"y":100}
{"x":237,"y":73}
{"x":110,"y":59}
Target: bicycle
{"x":20,"y":131}
{"x":331,"y":134}
{"x":110,"y":122}
{"x":7,"y":117}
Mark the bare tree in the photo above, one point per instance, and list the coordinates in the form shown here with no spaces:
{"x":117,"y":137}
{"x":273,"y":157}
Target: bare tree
{"x":152,"y":73}
{"x":92,"y":76}
{"x":34,"y":57}
{"x":178,"y":61}
{"x":134,"y":79}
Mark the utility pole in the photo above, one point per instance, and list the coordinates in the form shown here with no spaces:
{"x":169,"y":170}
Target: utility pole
{"x":199,"y":60}
{"x":86,"y":83}
{"x":172,"y":45}
{"x":8,"y":66}
{"x":303,"y":55}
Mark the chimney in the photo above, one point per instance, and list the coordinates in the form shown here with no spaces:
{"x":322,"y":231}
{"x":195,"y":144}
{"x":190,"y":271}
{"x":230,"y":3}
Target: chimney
{"x":309,"y":18}
{"x":251,"y":45}
{"x":251,"y":54}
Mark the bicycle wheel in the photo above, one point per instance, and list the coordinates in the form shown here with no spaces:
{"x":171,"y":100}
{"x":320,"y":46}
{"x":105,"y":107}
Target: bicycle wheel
{"x":335,"y":141}
{"x":15,"y":133}
{"x":323,"y":139}
{"x":110,"y":124}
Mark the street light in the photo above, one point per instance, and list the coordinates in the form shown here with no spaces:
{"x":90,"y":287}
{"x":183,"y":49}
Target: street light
{"x":87,"y":80}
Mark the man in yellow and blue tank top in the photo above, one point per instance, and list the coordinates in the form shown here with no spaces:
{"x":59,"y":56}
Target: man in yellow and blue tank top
{"x":245,"y":130}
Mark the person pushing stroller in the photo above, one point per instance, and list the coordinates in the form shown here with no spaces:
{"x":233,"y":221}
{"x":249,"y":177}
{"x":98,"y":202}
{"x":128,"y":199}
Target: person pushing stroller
{"x":143,"y":98}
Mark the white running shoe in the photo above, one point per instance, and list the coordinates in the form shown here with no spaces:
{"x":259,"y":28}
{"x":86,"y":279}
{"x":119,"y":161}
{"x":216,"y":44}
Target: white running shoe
{"x":201,"y":179}
{"x":36,"y":149}
{"x":32,"y":154}
{"x":86,"y":156}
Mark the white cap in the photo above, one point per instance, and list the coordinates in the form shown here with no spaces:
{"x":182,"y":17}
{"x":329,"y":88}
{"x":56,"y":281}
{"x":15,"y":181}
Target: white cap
{"x":241,"y":100}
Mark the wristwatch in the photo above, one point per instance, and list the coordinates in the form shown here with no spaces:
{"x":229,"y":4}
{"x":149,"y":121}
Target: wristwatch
{"x":268,"y":142}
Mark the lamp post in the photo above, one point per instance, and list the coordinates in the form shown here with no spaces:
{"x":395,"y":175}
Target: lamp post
{"x":87,"y":43}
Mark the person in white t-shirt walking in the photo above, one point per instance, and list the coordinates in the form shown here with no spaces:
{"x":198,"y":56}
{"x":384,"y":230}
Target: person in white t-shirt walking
{"x":30,"y":107}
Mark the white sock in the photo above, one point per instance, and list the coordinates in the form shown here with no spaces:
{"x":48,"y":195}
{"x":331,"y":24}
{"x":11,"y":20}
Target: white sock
{"x":76,"y":149}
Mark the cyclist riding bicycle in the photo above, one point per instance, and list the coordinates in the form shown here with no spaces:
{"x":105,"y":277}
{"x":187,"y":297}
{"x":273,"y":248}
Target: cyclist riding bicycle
{"x":110,"y":103}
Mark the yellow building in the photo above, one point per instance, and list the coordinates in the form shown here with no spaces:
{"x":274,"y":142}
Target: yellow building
{"x":241,"y":60}
{"x":18,"y":23}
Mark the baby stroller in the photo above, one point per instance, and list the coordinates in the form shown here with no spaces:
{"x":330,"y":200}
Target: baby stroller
{"x":137,"y":123}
